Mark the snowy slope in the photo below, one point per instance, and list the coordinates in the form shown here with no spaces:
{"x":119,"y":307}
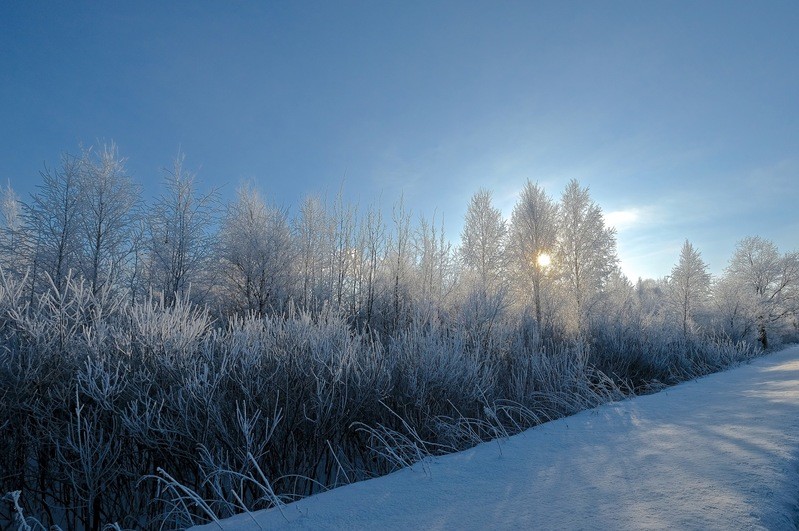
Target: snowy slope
{"x":721,"y":452}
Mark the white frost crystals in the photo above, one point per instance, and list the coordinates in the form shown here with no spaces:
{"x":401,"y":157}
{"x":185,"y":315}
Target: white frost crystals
{"x":716,"y":453}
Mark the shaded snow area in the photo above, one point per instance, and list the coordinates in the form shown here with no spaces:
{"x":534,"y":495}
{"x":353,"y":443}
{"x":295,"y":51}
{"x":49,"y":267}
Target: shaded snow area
{"x":721,"y":452}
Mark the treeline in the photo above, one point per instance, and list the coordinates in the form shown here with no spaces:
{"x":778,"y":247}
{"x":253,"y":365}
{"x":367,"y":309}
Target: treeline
{"x":171,"y":363}
{"x":556,"y":259}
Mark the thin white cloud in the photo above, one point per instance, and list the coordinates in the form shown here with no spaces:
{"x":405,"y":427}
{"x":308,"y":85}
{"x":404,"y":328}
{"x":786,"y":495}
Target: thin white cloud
{"x":634,"y":217}
{"x":623,"y":219}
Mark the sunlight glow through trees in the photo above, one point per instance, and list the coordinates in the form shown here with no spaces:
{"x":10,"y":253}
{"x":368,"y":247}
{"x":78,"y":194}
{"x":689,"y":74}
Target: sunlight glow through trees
{"x":544,"y":260}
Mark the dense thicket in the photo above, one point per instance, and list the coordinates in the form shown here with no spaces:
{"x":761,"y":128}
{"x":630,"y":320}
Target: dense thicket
{"x":178,"y":362}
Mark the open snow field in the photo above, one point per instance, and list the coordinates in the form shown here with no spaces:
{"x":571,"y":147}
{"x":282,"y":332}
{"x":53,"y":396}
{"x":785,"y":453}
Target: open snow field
{"x":721,"y":452}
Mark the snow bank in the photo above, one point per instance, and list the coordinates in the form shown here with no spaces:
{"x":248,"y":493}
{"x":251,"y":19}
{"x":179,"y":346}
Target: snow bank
{"x":721,"y":452}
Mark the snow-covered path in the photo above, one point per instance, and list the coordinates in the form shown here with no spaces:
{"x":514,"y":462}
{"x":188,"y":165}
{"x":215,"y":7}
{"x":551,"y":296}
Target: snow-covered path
{"x":721,"y":452}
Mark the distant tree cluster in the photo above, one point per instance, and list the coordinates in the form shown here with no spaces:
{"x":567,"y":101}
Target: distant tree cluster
{"x":169,"y":363}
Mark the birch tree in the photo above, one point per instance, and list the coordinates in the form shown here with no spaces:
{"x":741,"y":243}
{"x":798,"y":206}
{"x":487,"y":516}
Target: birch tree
{"x":770,"y":281}
{"x":433,"y":263}
{"x":532,"y":236}
{"x":107,"y":218}
{"x":311,"y":247}
{"x":179,"y":237}
{"x":586,"y":250}
{"x":11,"y":233}
{"x":373,"y":245}
{"x":483,"y":240}
{"x":400,"y":264}
{"x":256,"y":255}
{"x":52,"y":217}
{"x":343,"y":255}
{"x":689,"y":285}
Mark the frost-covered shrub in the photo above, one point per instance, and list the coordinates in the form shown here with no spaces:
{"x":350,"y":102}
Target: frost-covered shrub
{"x":155,"y":415}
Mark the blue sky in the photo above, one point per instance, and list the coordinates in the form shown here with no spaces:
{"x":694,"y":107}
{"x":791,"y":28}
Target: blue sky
{"x":681,"y":117}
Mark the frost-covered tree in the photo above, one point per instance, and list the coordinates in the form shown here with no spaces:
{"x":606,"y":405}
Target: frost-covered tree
{"x":650,"y":296}
{"x":53,"y":218}
{"x":310,"y":238}
{"x":733,"y":311}
{"x":341,"y":261}
{"x":11,"y":234}
{"x":586,"y":250}
{"x":770,"y":281}
{"x":400,"y":265}
{"x":617,"y":310}
{"x":179,"y":240}
{"x":372,"y":238}
{"x":256,"y":254}
{"x":107,"y":218}
{"x":483,"y":239}
{"x":433,"y":264}
{"x":689,"y":285}
{"x":532,"y":236}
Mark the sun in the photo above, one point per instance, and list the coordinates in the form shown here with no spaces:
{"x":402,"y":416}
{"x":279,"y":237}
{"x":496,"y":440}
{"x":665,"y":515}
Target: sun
{"x":544,"y":260}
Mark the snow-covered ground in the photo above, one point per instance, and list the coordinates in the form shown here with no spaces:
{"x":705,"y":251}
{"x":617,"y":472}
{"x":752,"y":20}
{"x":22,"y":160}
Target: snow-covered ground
{"x":721,"y":452}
